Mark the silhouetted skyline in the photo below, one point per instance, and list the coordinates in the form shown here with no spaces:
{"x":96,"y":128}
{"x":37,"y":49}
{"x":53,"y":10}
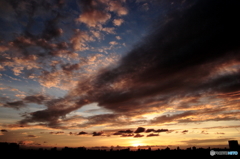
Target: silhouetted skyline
{"x":15,"y":148}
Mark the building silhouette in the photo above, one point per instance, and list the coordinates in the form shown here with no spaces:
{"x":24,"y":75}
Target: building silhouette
{"x":233,"y":144}
{"x":4,"y":146}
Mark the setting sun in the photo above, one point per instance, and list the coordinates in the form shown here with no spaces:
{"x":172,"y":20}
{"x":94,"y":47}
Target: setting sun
{"x":137,"y":144}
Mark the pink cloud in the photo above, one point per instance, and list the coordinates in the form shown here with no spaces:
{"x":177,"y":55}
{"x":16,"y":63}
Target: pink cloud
{"x":118,"y":22}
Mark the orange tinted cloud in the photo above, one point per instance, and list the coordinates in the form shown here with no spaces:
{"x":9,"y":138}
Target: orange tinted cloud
{"x":94,"y":17}
{"x":116,"y":6}
{"x":118,"y":22}
{"x":92,"y":14}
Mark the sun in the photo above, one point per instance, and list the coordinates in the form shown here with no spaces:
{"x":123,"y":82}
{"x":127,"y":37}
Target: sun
{"x":137,"y":144}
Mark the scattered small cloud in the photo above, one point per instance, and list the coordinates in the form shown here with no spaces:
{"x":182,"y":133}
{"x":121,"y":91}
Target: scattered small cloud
{"x":97,"y":133}
{"x":82,"y":133}
{"x":138,"y":135}
{"x":184,"y":131}
{"x":31,"y":136}
{"x":152,"y":135}
{"x":118,"y":22}
{"x":4,"y":130}
{"x":118,"y":38}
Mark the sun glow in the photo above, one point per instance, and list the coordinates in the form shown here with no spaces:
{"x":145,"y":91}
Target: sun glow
{"x":135,"y":144}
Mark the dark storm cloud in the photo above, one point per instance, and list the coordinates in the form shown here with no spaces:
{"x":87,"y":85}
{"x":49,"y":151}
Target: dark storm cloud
{"x":178,"y":59}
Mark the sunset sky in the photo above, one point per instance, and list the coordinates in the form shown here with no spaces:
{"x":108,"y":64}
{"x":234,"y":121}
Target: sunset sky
{"x":119,"y":72}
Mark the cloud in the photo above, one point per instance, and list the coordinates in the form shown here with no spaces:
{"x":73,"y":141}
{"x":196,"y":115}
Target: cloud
{"x":168,"y":118}
{"x":3,"y":48}
{"x":68,"y":68}
{"x":117,"y":133}
{"x":118,"y":38}
{"x":184,"y":131}
{"x":31,"y":136}
{"x":204,"y":132}
{"x":39,"y":99}
{"x":25,"y":142}
{"x":109,"y":30}
{"x":57,"y":133}
{"x":118,"y":22}
{"x":161,"y":130}
{"x":92,"y":15}
{"x":113,"y":43}
{"x":28,"y":143}
{"x":18,"y":126}
{"x":152,"y":135}
{"x":169,"y":65}
{"x":138,"y":135}
{"x":139,"y":130}
{"x":97,"y":133}
{"x":150,"y":130}
{"x":79,"y":40}
{"x":116,"y":6}
{"x":145,"y":7}
{"x":15,"y":105}
{"x":51,"y":30}
{"x":4,"y":130}
{"x":127,"y":135}
{"x":123,"y":132}
{"x":82,"y":133}
{"x":126,"y":131}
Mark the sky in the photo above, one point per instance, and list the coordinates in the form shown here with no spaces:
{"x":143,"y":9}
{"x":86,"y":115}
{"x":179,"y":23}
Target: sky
{"x":119,"y":72}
